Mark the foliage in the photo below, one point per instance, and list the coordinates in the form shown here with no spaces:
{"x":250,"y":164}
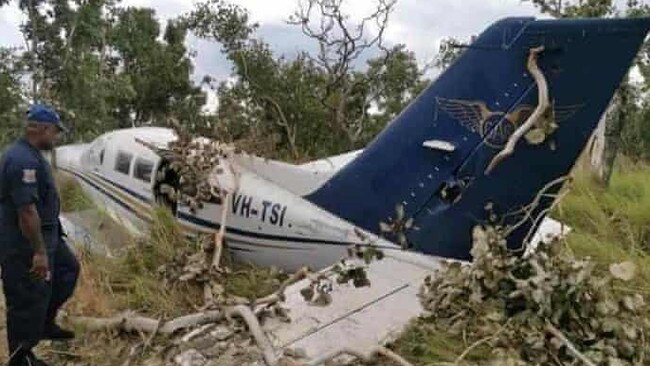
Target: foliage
{"x":163,"y":273}
{"x":517,"y":305}
{"x":574,"y":9}
{"x":423,"y":343}
{"x":106,"y":67}
{"x":160,"y":73}
{"x":611,"y":224}
{"x":311,"y":105}
{"x":450,"y":50}
{"x":12,"y":103}
{"x":133,"y":280}
{"x":636,"y":134}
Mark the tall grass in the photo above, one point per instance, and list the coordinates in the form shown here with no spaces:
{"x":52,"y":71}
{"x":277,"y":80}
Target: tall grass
{"x":72,"y":195}
{"x":132,"y":280}
{"x":133,"y":277}
{"x":423,"y":344}
{"x":611,"y":224}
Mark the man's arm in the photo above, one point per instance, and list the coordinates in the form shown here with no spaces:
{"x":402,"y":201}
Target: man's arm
{"x":22,"y":178}
{"x":30,"y":225}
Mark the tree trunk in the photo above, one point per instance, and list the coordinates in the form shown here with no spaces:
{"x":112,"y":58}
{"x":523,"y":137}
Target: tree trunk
{"x":608,"y":138}
{"x":34,"y":45}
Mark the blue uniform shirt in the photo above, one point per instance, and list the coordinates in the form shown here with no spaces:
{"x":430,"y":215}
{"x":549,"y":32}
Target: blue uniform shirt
{"x":26,"y":178}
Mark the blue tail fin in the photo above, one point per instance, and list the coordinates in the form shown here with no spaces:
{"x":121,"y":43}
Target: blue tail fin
{"x":432,"y":159}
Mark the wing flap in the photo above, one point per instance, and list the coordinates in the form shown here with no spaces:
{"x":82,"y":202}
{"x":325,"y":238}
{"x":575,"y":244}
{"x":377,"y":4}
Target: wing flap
{"x":357,"y":317}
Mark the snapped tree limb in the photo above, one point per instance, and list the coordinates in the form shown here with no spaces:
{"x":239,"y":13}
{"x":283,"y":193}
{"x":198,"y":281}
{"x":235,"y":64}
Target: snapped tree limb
{"x":130,"y":322}
{"x":538,"y":113}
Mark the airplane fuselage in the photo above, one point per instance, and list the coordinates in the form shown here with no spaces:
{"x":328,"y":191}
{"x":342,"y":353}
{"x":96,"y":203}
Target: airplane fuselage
{"x":266,"y":223}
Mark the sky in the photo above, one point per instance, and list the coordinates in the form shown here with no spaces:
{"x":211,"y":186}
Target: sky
{"x":419,"y":24}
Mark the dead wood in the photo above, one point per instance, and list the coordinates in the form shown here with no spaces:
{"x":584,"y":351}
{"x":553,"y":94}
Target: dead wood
{"x":542,"y":107}
{"x":131,"y":322}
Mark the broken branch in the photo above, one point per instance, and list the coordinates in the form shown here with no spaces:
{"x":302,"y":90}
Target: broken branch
{"x":220,"y":235}
{"x":254,"y":327}
{"x":130,"y":322}
{"x":278,"y":295}
{"x":559,"y":335}
{"x":542,"y":107}
{"x":368,"y":358}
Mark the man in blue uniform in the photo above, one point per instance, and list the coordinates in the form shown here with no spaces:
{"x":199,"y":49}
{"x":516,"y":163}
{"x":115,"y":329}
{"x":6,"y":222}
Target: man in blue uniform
{"x":39,"y":272}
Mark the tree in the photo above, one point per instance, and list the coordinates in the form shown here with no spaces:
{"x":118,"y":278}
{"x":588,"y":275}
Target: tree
{"x":450,"y":50}
{"x":575,"y":9}
{"x":12,"y":104}
{"x":106,"y":67}
{"x":311,"y":105}
{"x":393,"y":82}
{"x":159,"y":72}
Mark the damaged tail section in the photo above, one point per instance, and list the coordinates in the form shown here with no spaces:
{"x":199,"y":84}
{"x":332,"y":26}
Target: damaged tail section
{"x":432,"y":161}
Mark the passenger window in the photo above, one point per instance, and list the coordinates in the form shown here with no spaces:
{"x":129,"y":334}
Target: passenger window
{"x":143,"y":169}
{"x":123,"y":162}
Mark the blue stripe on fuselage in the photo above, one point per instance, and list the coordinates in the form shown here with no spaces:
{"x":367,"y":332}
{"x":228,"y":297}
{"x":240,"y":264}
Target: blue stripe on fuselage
{"x":202,"y":222}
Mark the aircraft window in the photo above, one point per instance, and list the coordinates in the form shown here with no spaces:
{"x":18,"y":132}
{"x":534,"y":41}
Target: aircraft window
{"x":143,"y":169}
{"x":123,"y":162}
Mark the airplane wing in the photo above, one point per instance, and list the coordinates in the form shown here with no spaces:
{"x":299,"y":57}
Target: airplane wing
{"x":358,"y":318}
{"x":362,"y":318}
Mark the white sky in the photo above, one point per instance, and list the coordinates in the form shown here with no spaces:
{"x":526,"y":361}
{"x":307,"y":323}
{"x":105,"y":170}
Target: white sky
{"x":420,"y":24}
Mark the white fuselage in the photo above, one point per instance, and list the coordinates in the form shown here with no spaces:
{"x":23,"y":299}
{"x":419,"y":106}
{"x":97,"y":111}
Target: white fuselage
{"x":267,"y":220}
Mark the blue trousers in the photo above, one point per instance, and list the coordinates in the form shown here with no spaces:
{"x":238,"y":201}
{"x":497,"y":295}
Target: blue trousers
{"x":32,"y":303}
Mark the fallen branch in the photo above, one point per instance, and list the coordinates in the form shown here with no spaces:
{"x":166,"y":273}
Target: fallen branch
{"x":220,"y":235}
{"x":153,"y":335}
{"x":254,"y":327}
{"x":478,"y":343}
{"x":130,"y":322}
{"x":196,"y":333}
{"x":542,"y":107}
{"x":559,"y":335}
{"x":530,"y":208}
{"x":367,"y":358}
{"x":278,"y":295}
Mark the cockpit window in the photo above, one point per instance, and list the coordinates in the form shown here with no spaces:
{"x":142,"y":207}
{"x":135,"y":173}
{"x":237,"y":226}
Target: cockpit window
{"x":143,"y":169}
{"x":123,"y":162}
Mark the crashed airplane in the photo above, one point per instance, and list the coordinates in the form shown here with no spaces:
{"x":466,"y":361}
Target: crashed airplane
{"x":511,"y":115}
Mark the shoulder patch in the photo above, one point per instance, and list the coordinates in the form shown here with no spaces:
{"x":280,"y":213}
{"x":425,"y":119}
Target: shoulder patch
{"x":29,"y":176}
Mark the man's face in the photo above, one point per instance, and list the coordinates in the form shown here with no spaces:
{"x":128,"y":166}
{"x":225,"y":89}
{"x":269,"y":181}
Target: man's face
{"x":49,"y":136}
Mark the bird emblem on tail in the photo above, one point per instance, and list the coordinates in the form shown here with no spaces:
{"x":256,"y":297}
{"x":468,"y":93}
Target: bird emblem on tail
{"x":495,"y":127}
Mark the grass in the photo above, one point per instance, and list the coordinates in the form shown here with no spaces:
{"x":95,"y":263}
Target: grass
{"x":252,"y":282}
{"x":612,"y":224}
{"x":132,"y":279}
{"x":423,"y":344}
{"x":71,"y":193}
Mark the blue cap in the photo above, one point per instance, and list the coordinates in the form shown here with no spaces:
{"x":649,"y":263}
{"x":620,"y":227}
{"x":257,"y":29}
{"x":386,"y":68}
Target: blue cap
{"x":44,"y":114}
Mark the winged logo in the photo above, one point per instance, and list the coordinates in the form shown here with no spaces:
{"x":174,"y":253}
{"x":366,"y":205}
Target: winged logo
{"x":478,"y":118}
